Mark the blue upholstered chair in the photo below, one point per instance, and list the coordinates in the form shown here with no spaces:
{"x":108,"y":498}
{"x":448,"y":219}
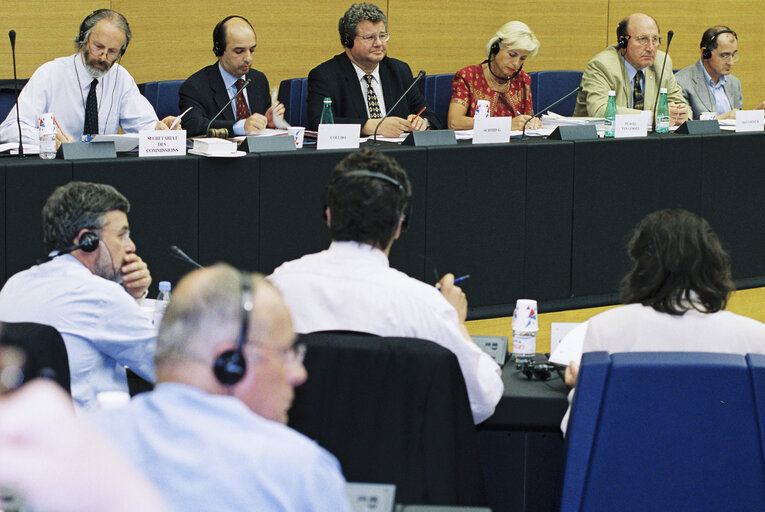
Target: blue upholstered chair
{"x":167,"y":98}
{"x":549,"y":86}
{"x":666,"y":431}
{"x":438,"y":94}
{"x":293,"y":94}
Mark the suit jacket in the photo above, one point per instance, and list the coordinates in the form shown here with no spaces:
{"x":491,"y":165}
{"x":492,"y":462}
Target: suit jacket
{"x":698,"y":95}
{"x":606,"y":72}
{"x":337,"y":79}
{"x":206,"y":92}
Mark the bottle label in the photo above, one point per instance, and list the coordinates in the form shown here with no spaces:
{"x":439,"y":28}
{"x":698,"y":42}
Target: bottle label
{"x":524,"y":344}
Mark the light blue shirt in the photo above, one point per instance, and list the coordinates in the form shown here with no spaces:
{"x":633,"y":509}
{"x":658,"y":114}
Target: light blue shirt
{"x":722,"y":103}
{"x":210,"y":452}
{"x":103,"y":327}
{"x":230,"y":82}
{"x":631,"y":72}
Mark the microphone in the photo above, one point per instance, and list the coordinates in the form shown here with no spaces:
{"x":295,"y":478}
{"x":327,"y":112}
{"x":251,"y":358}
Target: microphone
{"x":658,"y":87}
{"x":218,"y":132}
{"x":176,"y":252}
{"x":374,"y":135}
{"x":523,"y":135}
{"x":12,"y":37}
{"x":88,"y":243}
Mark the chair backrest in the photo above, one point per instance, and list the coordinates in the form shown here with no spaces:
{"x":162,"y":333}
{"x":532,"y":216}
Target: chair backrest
{"x":438,"y":94}
{"x":549,"y":86}
{"x":43,"y":348}
{"x":293,"y":94}
{"x":167,"y":98}
{"x":666,"y":431}
{"x":149,"y":90}
{"x":8,"y":95}
{"x":392,"y":410}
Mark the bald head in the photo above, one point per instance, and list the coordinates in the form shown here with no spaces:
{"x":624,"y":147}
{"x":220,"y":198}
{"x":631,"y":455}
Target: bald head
{"x":236,"y":42}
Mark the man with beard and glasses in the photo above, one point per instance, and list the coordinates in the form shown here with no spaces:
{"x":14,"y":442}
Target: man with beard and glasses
{"x":89,"y":294}
{"x":88,"y":93}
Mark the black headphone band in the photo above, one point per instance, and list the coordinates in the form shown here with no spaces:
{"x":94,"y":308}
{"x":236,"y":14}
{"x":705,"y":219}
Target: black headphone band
{"x":231,"y":365}
{"x":87,"y":25}
{"x":219,"y":47}
{"x":366,"y":173}
{"x":711,"y":45}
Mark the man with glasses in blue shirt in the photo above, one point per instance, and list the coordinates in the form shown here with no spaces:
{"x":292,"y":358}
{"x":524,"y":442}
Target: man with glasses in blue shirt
{"x":708,"y":84}
{"x":364,"y":83}
{"x":632,"y":68}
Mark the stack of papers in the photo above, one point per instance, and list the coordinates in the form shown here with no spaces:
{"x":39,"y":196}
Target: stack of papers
{"x":209,"y":146}
{"x":13,"y":147}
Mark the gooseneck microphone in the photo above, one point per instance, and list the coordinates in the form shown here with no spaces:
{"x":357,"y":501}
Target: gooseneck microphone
{"x":214,"y":133}
{"x":88,"y":243}
{"x":419,"y":76}
{"x":658,"y":87}
{"x":12,"y":37}
{"x":548,"y":107}
{"x":176,"y":252}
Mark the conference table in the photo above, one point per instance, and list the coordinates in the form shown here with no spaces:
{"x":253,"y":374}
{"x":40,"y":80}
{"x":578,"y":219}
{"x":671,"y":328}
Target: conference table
{"x":534,"y":218}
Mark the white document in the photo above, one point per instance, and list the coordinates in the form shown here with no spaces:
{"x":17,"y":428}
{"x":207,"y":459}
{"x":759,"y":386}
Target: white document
{"x":750,"y":120}
{"x":279,"y":121}
{"x":492,"y":130}
{"x":570,"y":347}
{"x":338,"y":136}
{"x":629,"y":125}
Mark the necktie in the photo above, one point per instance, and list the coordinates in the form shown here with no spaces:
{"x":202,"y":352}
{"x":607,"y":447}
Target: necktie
{"x":91,"y":111}
{"x":242,"y":111}
{"x":637,"y":92}
{"x":374,"y":107}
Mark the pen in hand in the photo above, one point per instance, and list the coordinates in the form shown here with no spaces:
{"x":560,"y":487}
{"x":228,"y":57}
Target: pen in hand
{"x":456,"y":280}
{"x":178,"y":119}
{"x":417,"y":115}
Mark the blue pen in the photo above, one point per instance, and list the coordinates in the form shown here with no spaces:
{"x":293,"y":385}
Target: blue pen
{"x":461,"y":278}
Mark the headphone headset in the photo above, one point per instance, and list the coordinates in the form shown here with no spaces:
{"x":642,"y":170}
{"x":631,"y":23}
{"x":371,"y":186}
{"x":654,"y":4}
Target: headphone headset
{"x":230,"y":366}
{"x":494,"y":48}
{"x":710,"y":45}
{"x":88,"y":24}
{"x":88,"y":243}
{"x":622,"y":43}
{"x":219,"y":46}
{"x":542,"y":371}
{"x":406,"y":210}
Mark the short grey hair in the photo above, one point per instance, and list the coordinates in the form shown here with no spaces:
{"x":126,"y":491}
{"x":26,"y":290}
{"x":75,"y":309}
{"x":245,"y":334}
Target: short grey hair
{"x":515,"y":35}
{"x":356,"y":13}
{"x":195,"y":323}
{"x":89,"y":23}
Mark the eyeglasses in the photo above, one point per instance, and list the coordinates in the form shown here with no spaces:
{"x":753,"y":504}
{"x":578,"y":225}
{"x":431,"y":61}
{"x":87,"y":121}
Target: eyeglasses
{"x":370,"y":38}
{"x":646,"y":40}
{"x":123,"y":236}
{"x":99,"y":49}
{"x":293,"y":355}
{"x":730,"y":57}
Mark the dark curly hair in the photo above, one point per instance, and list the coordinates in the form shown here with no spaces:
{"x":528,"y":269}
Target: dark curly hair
{"x":363,"y":208}
{"x":75,"y":206}
{"x":678,"y":264}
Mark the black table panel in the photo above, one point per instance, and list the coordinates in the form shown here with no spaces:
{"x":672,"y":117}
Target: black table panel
{"x":476,"y":205}
{"x":617,"y":182}
{"x":28,"y":183}
{"x":229,"y":211}
{"x":733,"y":184}
{"x":163,"y":195}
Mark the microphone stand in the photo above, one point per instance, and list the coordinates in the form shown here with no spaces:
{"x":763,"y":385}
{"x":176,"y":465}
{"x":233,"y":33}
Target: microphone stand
{"x":12,"y":37}
{"x":218,"y":132}
{"x":374,"y":135}
{"x":658,"y":85}
{"x":523,"y":135}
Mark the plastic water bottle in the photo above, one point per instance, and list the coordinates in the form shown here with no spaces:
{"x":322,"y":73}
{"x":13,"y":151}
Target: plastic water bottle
{"x":524,"y":346}
{"x":162,"y":300}
{"x":610,"y":114}
{"x":47,"y":131}
{"x":326,"y":114}
{"x":662,"y":112}
{"x":525,"y":327}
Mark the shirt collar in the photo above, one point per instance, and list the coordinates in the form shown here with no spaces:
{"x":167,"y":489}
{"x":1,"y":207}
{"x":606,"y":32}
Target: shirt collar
{"x":228,"y":78}
{"x":631,"y":71}
{"x":360,"y":73}
{"x":708,"y":79}
{"x":350,"y":248}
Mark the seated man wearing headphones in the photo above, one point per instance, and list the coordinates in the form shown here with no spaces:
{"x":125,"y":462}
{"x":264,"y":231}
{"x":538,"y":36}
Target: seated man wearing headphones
{"x":364,"y":83}
{"x":87,"y":289}
{"x":351,"y":286}
{"x":209,"y":89}
{"x":211,"y":435}
{"x":88,"y":93}
{"x":632,"y":68}
{"x":708,"y":84}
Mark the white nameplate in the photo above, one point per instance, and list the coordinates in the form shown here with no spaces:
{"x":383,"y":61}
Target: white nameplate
{"x":338,"y":136}
{"x":648,"y":118}
{"x":630,"y":125}
{"x":491,"y":130}
{"x":162,"y":143}
{"x":750,"y":120}
{"x":708,"y":116}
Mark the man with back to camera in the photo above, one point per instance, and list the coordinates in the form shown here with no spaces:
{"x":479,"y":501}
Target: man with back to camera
{"x":208,"y":90}
{"x":364,"y":82}
{"x":708,"y":85}
{"x":212,"y":435}
{"x":351,"y":287}
{"x":89,"y":294}
{"x":631,"y":68}
{"x":89,"y":93}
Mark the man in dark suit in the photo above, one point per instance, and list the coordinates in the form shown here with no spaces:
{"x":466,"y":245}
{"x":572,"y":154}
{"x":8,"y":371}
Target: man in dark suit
{"x":363,"y":82}
{"x":208,"y":90}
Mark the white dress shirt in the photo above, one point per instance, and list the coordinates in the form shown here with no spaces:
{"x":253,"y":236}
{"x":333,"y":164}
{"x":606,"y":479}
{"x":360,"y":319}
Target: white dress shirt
{"x":351,"y":286}
{"x":103,"y":327}
{"x":61,"y":87}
